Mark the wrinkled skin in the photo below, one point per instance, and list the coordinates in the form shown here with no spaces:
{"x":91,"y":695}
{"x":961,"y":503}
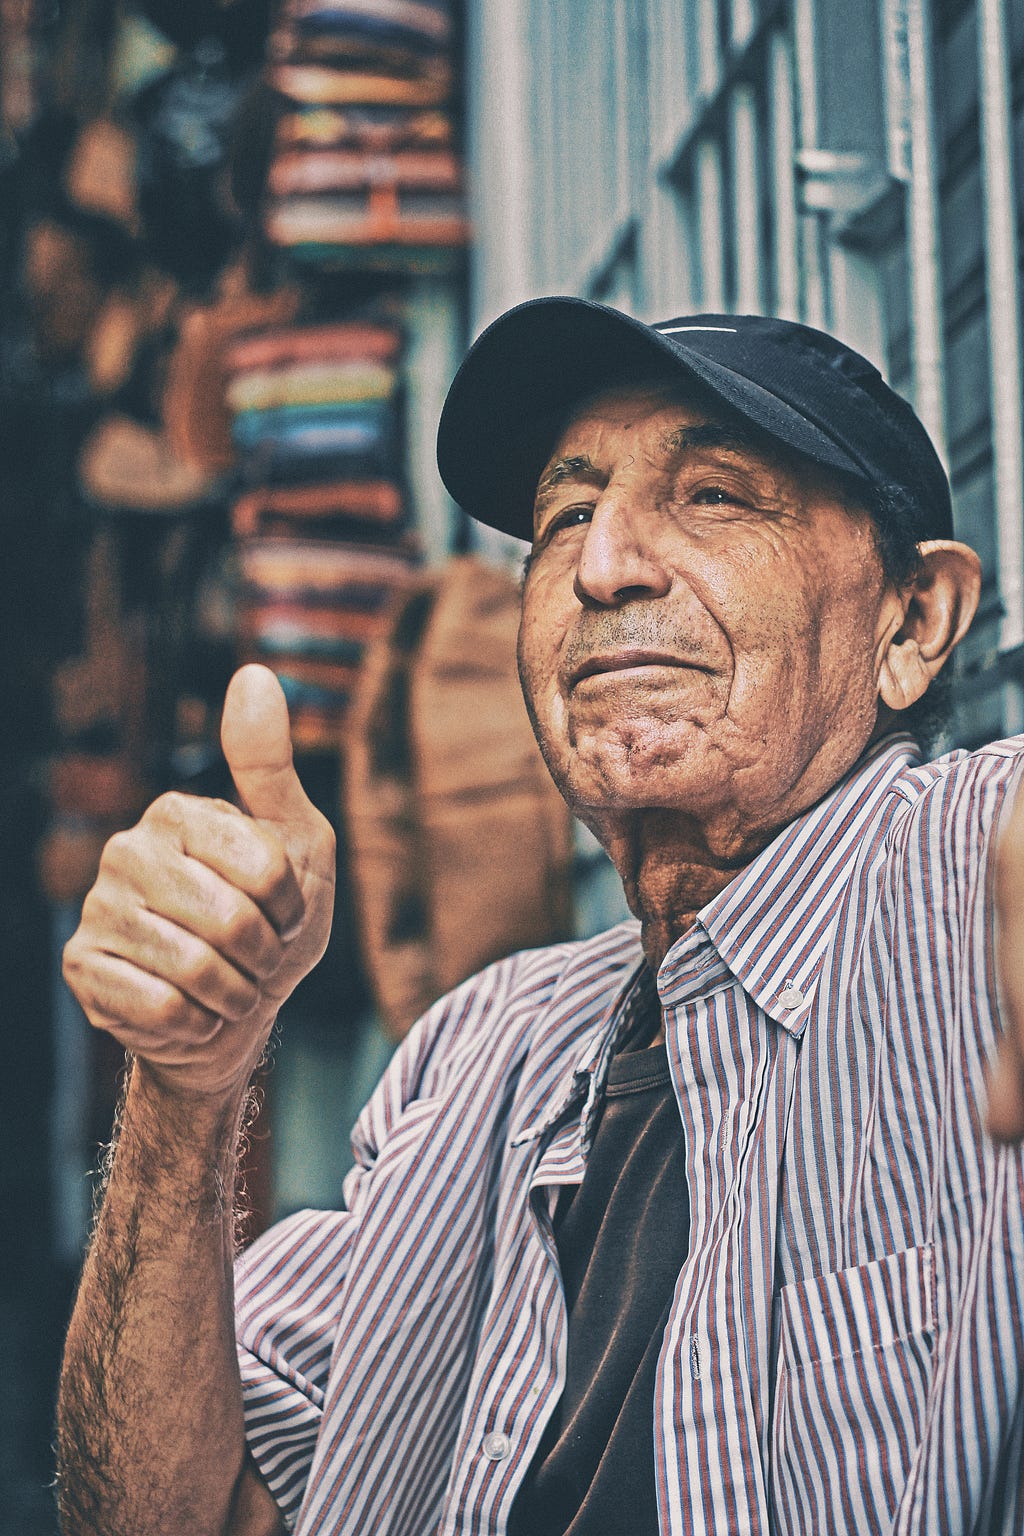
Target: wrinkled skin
{"x":706,"y":635}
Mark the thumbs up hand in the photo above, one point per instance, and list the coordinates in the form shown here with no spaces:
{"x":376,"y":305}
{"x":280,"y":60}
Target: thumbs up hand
{"x":204,"y":917}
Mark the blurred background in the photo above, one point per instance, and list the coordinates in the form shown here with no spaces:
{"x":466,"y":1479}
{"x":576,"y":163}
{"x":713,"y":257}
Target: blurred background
{"x":243,"y":244}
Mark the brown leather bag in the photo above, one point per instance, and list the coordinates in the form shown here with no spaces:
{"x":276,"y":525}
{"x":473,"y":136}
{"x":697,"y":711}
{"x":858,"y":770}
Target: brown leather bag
{"x":195,"y":409}
{"x":460,"y":843}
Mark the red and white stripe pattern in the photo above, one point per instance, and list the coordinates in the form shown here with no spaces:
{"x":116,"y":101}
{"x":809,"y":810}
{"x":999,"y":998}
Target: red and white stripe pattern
{"x":845,"y":1352}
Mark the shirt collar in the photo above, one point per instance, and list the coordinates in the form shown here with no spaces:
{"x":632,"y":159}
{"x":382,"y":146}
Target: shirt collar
{"x":770,"y":925}
{"x":597,"y":1042}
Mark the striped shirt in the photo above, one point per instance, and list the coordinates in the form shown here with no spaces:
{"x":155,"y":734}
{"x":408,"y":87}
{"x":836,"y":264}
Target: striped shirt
{"x":845,"y":1348}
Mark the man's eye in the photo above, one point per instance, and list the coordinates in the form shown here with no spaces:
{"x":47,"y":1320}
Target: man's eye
{"x":714,"y":496}
{"x":569,"y":517}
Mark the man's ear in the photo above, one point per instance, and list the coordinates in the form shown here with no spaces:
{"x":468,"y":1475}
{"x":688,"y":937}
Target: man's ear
{"x":938,"y":607}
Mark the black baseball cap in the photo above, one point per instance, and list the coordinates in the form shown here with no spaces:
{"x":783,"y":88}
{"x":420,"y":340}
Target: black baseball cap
{"x":527,"y":372}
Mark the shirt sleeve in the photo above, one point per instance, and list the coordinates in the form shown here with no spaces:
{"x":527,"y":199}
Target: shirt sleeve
{"x":290,"y":1284}
{"x":966,"y":1471}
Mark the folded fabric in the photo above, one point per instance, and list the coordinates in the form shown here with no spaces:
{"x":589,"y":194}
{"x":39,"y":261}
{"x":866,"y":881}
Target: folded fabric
{"x":378,"y":128}
{"x":419,"y":15}
{"x":300,"y":462}
{"x":304,"y":695}
{"x":317,"y":84}
{"x":359,"y":51}
{"x":325,"y":256}
{"x":340,"y":28}
{"x":369,"y":501}
{"x":349,"y":599}
{"x":364,"y":431}
{"x":310,"y":384}
{"x":385,"y":216}
{"x":353,"y":577}
{"x":272,"y":640}
{"x":328,"y":530}
{"x":341,"y":342}
{"x":315,"y":730}
{"x":328,"y":676}
{"x":332,"y":170}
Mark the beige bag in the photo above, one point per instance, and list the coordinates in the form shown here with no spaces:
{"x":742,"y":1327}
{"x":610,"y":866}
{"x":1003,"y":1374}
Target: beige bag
{"x":460,"y":843}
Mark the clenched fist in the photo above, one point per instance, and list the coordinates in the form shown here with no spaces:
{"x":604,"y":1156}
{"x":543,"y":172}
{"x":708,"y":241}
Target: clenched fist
{"x":203,"y":917}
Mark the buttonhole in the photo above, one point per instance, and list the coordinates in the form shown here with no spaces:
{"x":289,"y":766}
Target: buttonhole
{"x":694,"y":1357}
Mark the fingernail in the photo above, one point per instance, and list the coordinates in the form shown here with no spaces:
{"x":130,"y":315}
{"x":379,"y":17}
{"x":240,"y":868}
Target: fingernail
{"x":292,"y":932}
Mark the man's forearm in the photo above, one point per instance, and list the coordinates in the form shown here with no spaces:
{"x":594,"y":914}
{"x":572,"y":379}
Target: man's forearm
{"x":150,"y":1429}
{"x":203,"y":919}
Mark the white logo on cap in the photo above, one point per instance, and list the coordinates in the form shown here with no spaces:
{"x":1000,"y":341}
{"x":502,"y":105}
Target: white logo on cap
{"x":670,"y":330}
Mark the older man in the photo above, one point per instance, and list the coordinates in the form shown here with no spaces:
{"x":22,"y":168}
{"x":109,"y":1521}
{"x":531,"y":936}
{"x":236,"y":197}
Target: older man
{"x":690,"y":1227}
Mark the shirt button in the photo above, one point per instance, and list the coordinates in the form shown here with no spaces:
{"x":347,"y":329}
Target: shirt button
{"x":791,"y":997}
{"x":496,"y":1446}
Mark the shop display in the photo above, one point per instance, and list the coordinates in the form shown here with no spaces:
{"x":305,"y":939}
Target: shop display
{"x":320,"y":524}
{"x":364,"y":176}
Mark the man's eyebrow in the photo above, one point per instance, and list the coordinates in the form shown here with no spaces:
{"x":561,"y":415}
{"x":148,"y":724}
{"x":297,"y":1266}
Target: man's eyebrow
{"x":578,"y":466}
{"x":709,"y":434}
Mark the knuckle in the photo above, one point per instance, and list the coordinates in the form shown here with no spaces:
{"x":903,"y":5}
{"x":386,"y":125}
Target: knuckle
{"x":94,"y":914}
{"x":71,"y":961}
{"x":199,"y":968}
{"x":237,"y":928}
{"x":170,"y":1011}
{"x":116,"y":850}
{"x":226,"y":807}
{"x":245,"y":996}
{"x":169,"y":809}
{"x":270,"y":866}
{"x":328,"y":840}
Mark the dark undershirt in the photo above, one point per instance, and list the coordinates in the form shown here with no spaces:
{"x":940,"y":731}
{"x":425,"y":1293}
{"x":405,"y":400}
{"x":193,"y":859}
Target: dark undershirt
{"x":622,"y":1236}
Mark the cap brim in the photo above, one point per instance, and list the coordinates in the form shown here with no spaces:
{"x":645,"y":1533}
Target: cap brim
{"x":525,"y":374}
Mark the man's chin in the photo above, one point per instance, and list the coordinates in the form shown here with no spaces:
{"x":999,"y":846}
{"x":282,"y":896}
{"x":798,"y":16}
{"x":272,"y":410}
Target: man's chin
{"x":611,"y":789}
{"x":634,"y":758}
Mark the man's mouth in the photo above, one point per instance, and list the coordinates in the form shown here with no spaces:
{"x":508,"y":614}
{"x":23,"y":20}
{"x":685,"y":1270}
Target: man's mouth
{"x":627,"y":661}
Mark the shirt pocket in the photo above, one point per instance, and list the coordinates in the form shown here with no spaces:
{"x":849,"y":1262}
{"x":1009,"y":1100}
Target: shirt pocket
{"x":854,"y":1368}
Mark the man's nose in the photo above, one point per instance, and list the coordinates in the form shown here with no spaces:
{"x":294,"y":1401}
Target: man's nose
{"x":619,"y":561}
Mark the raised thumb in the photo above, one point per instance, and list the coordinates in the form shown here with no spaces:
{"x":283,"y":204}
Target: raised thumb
{"x":256,"y":737}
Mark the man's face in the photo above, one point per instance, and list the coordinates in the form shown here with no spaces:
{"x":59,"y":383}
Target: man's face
{"x":702,"y":624}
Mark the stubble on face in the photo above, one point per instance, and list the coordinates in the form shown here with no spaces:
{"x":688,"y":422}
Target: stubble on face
{"x":757,"y":585}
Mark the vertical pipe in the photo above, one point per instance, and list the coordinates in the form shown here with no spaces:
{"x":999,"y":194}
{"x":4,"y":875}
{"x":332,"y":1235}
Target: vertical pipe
{"x":622,"y":125}
{"x":709,"y":225}
{"x":926,"y":309}
{"x":1001,"y":259}
{"x":708,"y":62}
{"x":544,"y":169}
{"x":783,"y":151}
{"x":741,"y":22}
{"x":500,"y":155}
{"x":746,"y":201}
{"x":815,"y":299}
{"x":432,"y":356}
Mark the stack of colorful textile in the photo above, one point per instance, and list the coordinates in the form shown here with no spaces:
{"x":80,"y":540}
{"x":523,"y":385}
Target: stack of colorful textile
{"x":320,"y":518}
{"x":364,"y":174}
